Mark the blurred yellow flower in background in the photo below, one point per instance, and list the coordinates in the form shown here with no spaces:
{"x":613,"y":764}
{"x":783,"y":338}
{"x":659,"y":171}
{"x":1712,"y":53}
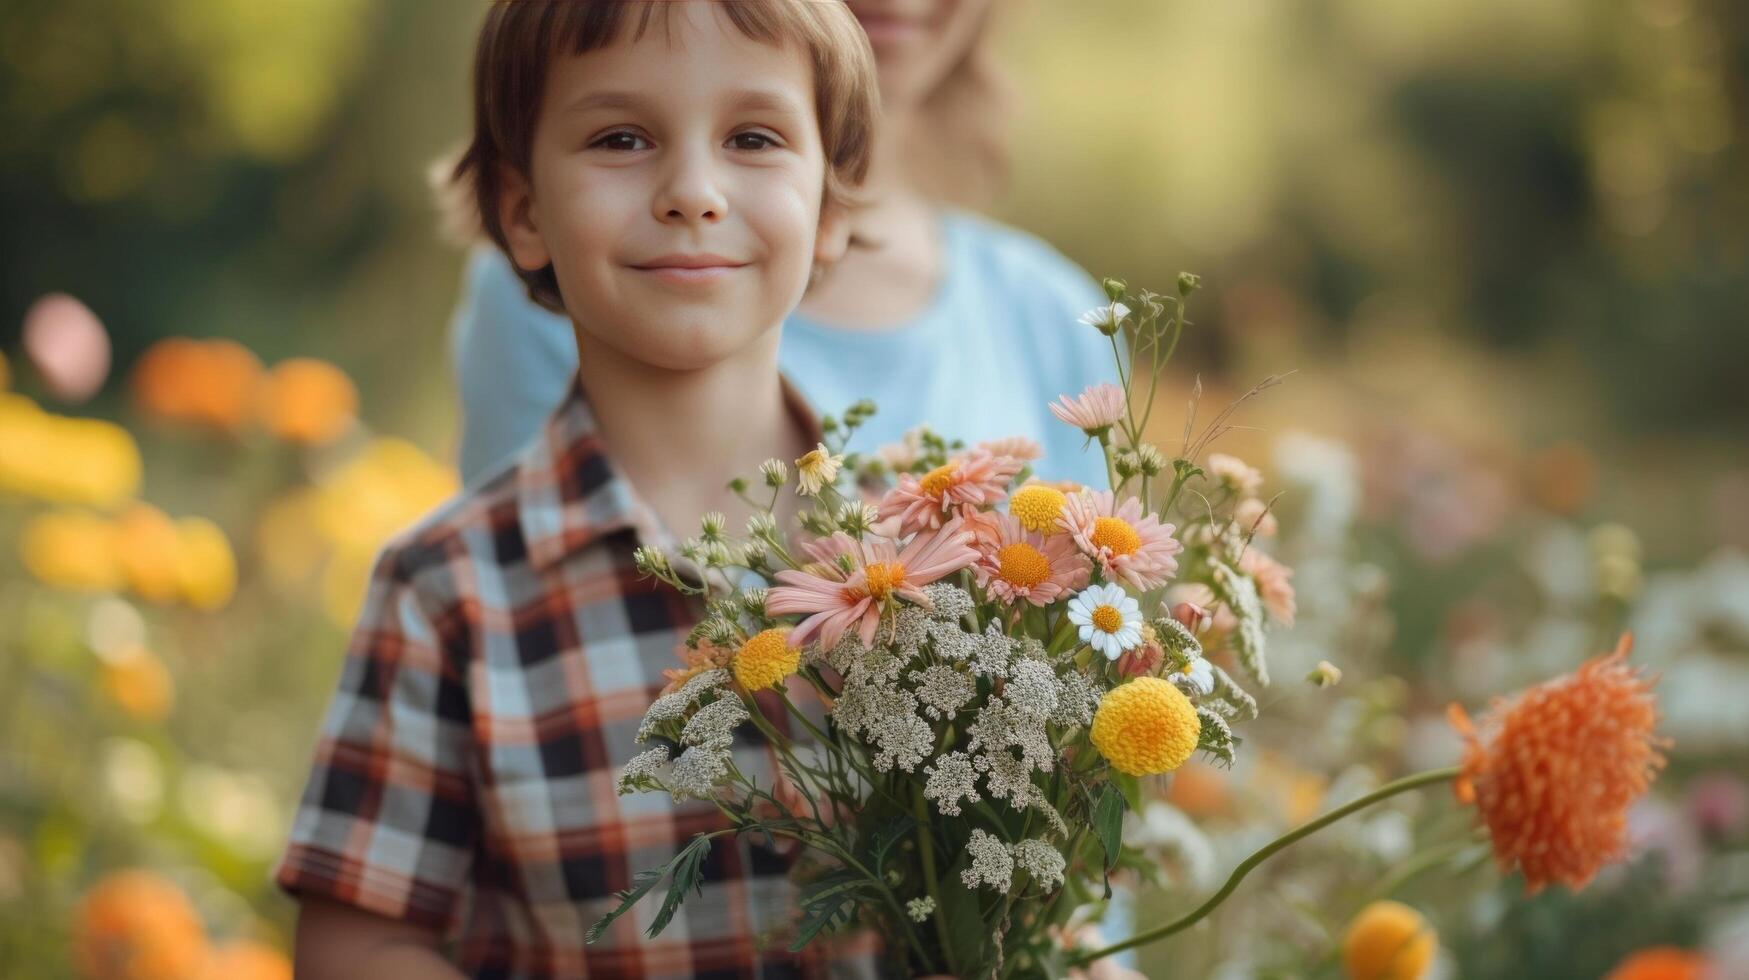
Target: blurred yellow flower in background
{"x":290,"y":550}
{"x":205,"y":568}
{"x":212,"y":383}
{"x":139,"y":683}
{"x":65,"y":460}
{"x":246,"y":959}
{"x":360,"y":505}
{"x":71,"y":549}
{"x":308,"y":401}
{"x":136,"y":925}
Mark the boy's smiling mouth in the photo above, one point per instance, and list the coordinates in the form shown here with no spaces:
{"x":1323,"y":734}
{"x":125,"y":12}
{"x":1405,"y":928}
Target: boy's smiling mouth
{"x":689,"y":268}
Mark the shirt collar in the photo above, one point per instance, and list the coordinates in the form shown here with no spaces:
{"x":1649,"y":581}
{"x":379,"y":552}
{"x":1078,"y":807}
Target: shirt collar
{"x":570,"y":494}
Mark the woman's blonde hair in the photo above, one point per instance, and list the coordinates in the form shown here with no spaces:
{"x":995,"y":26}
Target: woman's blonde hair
{"x":520,"y":39}
{"x":966,"y":120}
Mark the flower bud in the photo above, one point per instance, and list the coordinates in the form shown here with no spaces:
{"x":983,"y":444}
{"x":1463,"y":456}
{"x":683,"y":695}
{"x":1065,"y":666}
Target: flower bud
{"x":1326,"y":674}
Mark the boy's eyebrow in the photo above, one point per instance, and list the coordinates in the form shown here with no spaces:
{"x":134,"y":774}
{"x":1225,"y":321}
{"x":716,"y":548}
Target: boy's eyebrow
{"x":606,"y":100}
{"x":764,"y":100}
{"x":755,"y":100}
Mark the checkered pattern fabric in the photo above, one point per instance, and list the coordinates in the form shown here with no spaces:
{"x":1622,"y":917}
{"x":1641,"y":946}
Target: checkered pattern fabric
{"x":465,"y":774}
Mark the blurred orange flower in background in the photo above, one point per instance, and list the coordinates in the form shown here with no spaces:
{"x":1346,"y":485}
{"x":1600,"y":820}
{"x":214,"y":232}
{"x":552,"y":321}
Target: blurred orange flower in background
{"x":1661,"y":963}
{"x":308,"y":401}
{"x":1199,"y":790}
{"x":246,"y":959}
{"x":1388,"y":941}
{"x":135,"y":925}
{"x":203,"y":382}
{"x":139,"y":683}
{"x":1553,"y":771}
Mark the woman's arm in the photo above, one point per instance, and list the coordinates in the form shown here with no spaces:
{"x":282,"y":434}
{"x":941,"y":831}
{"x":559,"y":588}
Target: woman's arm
{"x":340,"y":942}
{"x":513,"y":363}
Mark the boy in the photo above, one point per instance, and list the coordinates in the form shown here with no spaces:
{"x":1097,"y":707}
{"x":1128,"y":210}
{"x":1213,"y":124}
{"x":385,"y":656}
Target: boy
{"x":670,"y":175}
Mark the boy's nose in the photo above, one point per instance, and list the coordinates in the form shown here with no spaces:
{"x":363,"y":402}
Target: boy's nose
{"x":690,"y":193}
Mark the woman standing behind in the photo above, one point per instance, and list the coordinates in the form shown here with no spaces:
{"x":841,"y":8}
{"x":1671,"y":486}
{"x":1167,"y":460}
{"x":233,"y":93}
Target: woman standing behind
{"x":943,"y":317}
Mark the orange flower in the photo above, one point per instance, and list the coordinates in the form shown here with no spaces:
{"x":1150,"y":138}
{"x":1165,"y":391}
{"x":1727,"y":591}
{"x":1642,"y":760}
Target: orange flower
{"x":134,"y":925}
{"x":147,"y":546}
{"x":1388,"y":941}
{"x":308,"y":401}
{"x":1553,"y":771}
{"x":1200,"y":790}
{"x":245,"y":959}
{"x":139,"y":683}
{"x":1661,"y":963}
{"x":207,"y":382}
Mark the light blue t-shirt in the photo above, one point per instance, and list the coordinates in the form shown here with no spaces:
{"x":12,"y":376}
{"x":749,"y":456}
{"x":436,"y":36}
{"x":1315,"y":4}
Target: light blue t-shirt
{"x":994,"y":346}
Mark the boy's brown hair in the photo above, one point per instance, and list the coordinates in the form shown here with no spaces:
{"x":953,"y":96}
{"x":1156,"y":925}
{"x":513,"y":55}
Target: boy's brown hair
{"x":520,"y":39}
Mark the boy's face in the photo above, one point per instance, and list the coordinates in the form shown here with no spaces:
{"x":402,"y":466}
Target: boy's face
{"x":676,"y":187}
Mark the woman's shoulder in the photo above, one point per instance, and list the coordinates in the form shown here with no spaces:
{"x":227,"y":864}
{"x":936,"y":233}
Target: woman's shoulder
{"x":1019,"y":262}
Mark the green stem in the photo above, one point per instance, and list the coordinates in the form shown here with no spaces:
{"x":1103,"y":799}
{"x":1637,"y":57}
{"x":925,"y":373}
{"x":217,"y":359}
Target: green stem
{"x":926,"y":843}
{"x":1262,"y":854}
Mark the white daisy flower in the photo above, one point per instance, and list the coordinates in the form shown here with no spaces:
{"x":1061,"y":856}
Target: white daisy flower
{"x":1105,"y":319}
{"x":1109,"y":618}
{"x":1195,"y":677}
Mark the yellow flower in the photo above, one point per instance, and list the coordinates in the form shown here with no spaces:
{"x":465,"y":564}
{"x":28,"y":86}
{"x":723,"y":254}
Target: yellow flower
{"x":308,"y":401}
{"x":139,"y":683}
{"x":765,"y":660}
{"x":287,"y":539}
{"x":1037,"y":507}
{"x":71,"y":549}
{"x":1146,"y":727}
{"x":68,"y":460}
{"x":206,"y":570}
{"x":1388,"y":941}
{"x":135,"y":925}
{"x":817,"y":469}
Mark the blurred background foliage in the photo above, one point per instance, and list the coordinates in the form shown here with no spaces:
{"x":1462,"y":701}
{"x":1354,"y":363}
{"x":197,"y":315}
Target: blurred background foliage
{"x":1503,"y":243}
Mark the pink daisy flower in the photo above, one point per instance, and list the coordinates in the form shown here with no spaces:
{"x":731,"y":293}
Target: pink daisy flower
{"x":962,"y":484}
{"x":882,"y":572}
{"x":1094,"y":411}
{"x":1125,"y":543}
{"x":1015,"y":564}
{"x":1273,"y":584}
{"x":1019,"y":447}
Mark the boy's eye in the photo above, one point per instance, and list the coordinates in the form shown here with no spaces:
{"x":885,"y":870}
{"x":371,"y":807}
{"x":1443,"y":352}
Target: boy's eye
{"x":752,"y":140}
{"x":620,"y":140}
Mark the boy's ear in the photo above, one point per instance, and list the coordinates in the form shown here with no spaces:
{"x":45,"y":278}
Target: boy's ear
{"x":516,"y":216}
{"x":834,"y":236}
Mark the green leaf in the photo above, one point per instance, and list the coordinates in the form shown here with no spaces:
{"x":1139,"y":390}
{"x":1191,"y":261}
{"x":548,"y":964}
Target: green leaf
{"x":969,"y":937}
{"x":827,"y":902}
{"x":1130,"y":787}
{"x":890,"y":833}
{"x":687,"y":874}
{"x":1108,"y":824}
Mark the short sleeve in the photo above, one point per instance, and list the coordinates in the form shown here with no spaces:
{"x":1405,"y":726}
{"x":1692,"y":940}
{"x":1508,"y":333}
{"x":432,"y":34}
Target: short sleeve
{"x":388,"y":820}
{"x":513,"y":362}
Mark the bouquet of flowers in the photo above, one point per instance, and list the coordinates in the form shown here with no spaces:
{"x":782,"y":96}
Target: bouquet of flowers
{"x":985,"y":667}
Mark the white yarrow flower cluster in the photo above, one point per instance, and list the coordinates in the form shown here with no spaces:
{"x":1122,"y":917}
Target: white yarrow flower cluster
{"x":713,"y":726}
{"x":673,"y":707}
{"x":944,"y":690}
{"x":951,"y":779}
{"x":696,"y":773}
{"x":1041,"y":859}
{"x":992,"y":863}
{"x":644,"y":771}
{"x":920,"y":909}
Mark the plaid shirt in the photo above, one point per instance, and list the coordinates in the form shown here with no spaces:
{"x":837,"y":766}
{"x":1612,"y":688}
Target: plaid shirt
{"x":465,"y":775}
